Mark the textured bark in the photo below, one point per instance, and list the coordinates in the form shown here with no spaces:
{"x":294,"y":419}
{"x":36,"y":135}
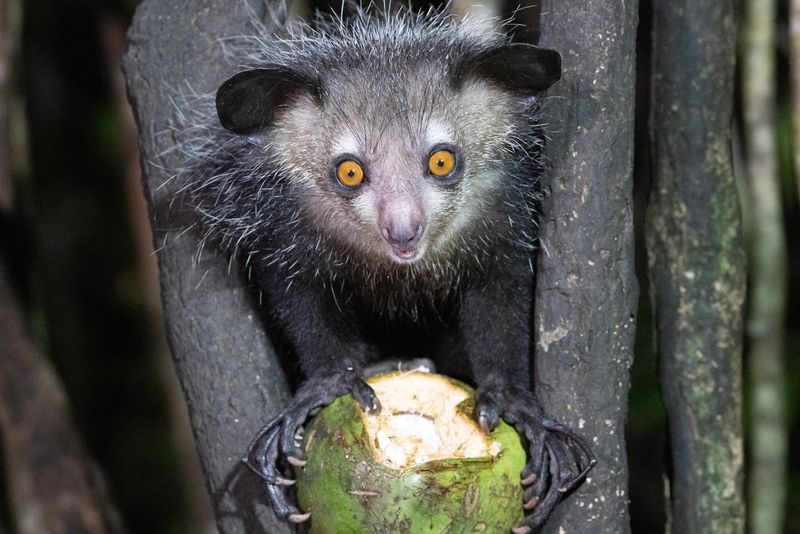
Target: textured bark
{"x":229,"y":372}
{"x":53,"y":484}
{"x":586,"y":287}
{"x":696,"y":261}
{"x":200,"y":512}
{"x":768,"y":281}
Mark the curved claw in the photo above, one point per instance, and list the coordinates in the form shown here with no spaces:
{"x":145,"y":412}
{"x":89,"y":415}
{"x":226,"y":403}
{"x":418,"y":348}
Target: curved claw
{"x":485,"y":424}
{"x":275,"y":449}
{"x":552,"y":495}
{"x":559,"y":458}
{"x":280,"y":504}
{"x":531,"y":503}
{"x":299,"y":518}
{"x":268,"y":448}
{"x":297,"y":462}
{"x":542,"y":481}
{"x":488,"y":409}
{"x":365,"y":397}
{"x":581,"y":453}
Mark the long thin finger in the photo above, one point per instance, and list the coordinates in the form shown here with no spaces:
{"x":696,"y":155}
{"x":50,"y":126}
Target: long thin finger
{"x":265,"y":452}
{"x":256,"y":446}
{"x":548,"y":501}
{"x":279,"y":502}
{"x":580,"y":452}
{"x":540,"y":485}
{"x":562,"y":459}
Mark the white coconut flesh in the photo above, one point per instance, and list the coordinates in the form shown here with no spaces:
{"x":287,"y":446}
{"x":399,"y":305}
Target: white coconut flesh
{"x":419,"y":421}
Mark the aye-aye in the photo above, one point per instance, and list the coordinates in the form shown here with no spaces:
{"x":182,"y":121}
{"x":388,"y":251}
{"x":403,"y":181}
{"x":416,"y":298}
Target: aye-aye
{"x":376,"y":177}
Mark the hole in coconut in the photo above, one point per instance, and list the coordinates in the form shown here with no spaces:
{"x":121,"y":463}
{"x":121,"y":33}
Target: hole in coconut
{"x":420,"y":421}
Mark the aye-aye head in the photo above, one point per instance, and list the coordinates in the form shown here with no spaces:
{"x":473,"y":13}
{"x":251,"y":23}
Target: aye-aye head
{"x":395,"y":132}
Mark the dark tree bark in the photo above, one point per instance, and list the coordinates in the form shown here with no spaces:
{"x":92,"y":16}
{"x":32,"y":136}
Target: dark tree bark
{"x":229,"y":372}
{"x":586,"y":287}
{"x":696,"y":261}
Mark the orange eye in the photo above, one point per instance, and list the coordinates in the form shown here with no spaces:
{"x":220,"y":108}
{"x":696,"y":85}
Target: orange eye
{"x":441,"y":163}
{"x":350,"y":173}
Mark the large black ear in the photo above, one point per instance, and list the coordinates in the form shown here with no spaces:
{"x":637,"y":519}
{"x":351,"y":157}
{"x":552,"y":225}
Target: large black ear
{"x":519,"y":67}
{"x":247,"y":102}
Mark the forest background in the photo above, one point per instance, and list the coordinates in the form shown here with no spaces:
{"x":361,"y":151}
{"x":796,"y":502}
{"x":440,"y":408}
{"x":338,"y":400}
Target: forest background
{"x":76,"y":249}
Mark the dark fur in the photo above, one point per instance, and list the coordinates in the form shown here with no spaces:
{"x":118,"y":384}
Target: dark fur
{"x":467,"y":303}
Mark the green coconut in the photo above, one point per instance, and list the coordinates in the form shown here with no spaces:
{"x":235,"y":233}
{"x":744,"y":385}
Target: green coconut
{"x":421,"y":465}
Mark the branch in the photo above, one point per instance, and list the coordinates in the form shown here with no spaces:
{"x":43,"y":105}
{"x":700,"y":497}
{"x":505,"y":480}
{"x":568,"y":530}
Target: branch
{"x":768,"y":280}
{"x":696,"y":260}
{"x":586,"y":291}
{"x":229,"y":372}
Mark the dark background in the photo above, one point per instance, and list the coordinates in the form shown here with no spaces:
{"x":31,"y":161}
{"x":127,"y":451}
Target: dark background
{"x":77,"y":249}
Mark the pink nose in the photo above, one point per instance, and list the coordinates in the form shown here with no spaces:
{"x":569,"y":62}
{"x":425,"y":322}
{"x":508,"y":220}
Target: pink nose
{"x":401,"y":224}
{"x":403,"y":234}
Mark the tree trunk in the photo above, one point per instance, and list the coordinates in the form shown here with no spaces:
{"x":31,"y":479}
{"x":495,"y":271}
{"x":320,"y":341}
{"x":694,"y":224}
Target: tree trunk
{"x":229,"y":372}
{"x":54,"y":486}
{"x":586,"y":290}
{"x":200,"y":516}
{"x":696,"y":261}
{"x":794,"y":66}
{"x":768,"y":282}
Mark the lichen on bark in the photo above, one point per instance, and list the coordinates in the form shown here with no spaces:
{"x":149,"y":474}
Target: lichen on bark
{"x":696,"y":261}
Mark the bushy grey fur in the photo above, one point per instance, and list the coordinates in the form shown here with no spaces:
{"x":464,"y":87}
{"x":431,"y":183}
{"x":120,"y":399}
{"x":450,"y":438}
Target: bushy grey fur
{"x":389,"y":92}
{"x":240,"y":188}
